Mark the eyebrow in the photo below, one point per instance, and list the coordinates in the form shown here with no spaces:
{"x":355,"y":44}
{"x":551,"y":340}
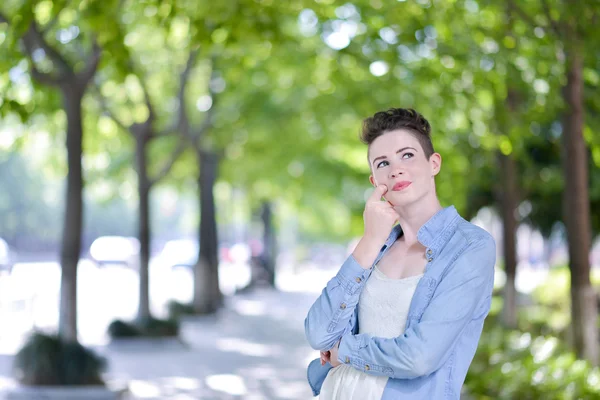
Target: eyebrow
{"x":399,"y":151}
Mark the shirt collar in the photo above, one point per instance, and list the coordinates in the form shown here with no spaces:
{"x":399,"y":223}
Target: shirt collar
{"x":434,"y":233}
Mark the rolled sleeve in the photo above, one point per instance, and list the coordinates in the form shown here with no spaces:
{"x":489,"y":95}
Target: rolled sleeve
{"x":348,"y":349}
{"x":352,"y":276}
{"x":334,"y":313}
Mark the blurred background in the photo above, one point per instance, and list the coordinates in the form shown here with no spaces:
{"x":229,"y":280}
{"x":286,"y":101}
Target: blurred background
{"x":180,"y":179}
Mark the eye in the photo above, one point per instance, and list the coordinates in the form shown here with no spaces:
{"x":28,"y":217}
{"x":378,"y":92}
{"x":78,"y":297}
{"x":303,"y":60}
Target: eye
{"x":379,"y":164}
{"x":407,"y":155}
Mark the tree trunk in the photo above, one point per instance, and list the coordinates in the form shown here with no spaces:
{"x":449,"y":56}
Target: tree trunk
{"x":508,"y":205}
{"x":71,"y":237}
{"x":576,"y":208}
{"x":143,"y":226}
{"x":509,"y":201}
{"x":269,"y":251}
{"x":207,"y":294}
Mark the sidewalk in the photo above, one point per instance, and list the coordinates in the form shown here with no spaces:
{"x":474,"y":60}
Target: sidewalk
{"x":254,"y":348}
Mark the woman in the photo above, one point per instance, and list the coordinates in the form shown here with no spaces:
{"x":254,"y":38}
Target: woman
{"x":403,"y":316}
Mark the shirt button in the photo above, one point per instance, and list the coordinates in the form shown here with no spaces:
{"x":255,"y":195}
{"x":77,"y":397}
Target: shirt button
{"x":347,"y":360}
{"x":358,"y":280}
{"x":429,"y":252}
{"x":367,"y":367}
{"x":430,"y":259}
{"x":343,"y":306}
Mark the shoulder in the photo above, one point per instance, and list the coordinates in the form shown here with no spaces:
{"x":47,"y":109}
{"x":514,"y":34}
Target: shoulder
{"x":477,"y":254}
{"x":474,"y":236}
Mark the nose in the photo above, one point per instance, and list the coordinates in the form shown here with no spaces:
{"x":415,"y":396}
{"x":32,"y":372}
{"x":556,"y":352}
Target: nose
{"x":396,"y":172}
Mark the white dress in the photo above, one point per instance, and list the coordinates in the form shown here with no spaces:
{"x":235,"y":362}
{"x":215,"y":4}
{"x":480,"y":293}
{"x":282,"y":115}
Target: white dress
{"x":382,"y":311}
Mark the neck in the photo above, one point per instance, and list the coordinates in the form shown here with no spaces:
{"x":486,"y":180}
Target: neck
{"x":413,"y":216}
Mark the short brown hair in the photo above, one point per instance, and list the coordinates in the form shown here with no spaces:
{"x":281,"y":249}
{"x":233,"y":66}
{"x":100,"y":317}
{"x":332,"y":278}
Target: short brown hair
{"x":398,"y":118}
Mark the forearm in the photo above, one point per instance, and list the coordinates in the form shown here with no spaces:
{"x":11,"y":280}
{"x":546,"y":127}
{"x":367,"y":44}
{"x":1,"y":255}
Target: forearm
{"x":366,"y":251}
{"x":332,"y":314}
{"x":393,"y":357}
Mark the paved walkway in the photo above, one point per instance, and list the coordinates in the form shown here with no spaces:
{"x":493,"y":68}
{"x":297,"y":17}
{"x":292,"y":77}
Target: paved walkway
{"x":254,"y":348}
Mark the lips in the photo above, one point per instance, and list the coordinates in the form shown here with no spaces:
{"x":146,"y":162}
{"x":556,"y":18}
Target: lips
{"x":401,"y":186}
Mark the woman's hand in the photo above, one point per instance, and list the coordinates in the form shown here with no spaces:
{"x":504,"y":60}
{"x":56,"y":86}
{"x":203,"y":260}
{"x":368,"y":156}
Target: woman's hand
{"x":325,"y":355}
{"x":331,"y":356}
{"x":380,"y":217}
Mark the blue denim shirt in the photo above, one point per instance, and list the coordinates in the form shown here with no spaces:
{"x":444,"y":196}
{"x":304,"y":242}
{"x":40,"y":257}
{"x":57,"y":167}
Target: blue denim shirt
{"x":430,"y":360}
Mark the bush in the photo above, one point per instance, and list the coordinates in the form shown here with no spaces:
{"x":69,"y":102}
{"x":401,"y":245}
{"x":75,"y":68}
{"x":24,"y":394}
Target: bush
{"x":151,"y":327}
{"x":511,"y":364}
{"x":554,"y":291}
{"x":552,"y":312}
{"x":176,"y":309}
{"x":154,"y":327}
{"x":121,"y":329}
{"x":540,"y":320}
{"x":46,"y":360}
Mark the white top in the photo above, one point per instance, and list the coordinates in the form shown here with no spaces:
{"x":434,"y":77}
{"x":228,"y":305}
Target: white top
{"x":382,"y":311}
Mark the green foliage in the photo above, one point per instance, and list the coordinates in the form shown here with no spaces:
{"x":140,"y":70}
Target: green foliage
{"x":288,"y":105}
{"x":535,"y":361}
{"x":177,"y":309}
{"x":551,"y":312}
{"x":151,"y":327}
{"x":46,"y":360}
{"x":122,"y":329}
{"x":518,"y":365}
{"x":154,"y":327}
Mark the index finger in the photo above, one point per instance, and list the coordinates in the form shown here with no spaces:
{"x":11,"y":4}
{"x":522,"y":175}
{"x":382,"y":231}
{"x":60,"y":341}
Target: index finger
{"x":379,"y":191}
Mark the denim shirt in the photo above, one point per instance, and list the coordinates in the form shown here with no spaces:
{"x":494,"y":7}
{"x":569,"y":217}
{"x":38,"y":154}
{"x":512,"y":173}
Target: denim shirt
{"x":445,"y":319}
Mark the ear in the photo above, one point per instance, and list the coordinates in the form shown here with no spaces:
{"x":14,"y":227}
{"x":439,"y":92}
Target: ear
{"x":435,"y":161}
{"x":372,"y":180}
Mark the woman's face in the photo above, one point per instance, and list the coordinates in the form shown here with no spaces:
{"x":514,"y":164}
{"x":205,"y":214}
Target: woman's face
{"x":399,"y":162}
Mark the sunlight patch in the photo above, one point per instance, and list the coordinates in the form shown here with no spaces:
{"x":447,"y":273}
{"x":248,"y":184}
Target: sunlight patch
{"x":247,"y":348}
{"x":231,"y":384}
{"x":144,"y":389}
{"x":183,"y":383}
{"x":250,"y":307}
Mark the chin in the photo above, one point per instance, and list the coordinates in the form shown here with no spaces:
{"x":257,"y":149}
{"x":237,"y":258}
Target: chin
{"x":401,"y":200}
{"x":407,"y":198}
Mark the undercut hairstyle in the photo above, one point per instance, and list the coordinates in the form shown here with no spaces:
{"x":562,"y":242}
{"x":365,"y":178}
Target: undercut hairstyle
{"x":398,"y":118}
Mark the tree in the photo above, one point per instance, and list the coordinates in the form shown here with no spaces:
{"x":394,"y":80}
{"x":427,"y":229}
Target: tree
{"x":207,"y":294}
{"x":132,"y":73}
{"x":563,"y":21}
{"x":143,"y":133}
{"x":236,"y":45}
{"x":508,"y":199}
{"x":72,"y":83}
{"x":508,"y":190}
